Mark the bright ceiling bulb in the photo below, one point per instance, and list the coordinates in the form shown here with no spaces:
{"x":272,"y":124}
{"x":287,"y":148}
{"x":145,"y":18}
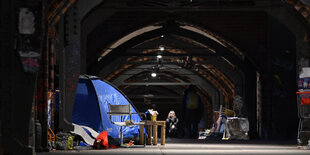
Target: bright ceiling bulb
{"x":153,"y":74}
{"x":159,"y":56}
{"x":161,"y":48}
{"x":162,"y":36}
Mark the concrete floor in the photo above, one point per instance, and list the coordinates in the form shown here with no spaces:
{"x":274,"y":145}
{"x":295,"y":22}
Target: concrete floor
{"x":199,"y":147}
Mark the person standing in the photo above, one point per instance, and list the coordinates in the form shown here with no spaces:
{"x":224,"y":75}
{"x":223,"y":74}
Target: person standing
{"x":192,"y":109}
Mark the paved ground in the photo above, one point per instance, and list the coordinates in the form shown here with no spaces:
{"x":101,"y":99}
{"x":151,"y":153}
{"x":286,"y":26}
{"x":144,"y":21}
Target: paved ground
{"x":200,"y":147}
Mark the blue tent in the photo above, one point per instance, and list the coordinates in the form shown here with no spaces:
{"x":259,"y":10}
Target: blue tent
{"x":92,"y":104}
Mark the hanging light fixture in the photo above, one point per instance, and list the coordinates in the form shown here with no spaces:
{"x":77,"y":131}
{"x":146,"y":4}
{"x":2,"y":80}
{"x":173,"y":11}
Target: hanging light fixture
{"x":153,"y":74}
{"x":161,"y":48}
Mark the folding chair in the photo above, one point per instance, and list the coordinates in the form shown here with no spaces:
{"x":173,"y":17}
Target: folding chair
{"x":122,"y":110}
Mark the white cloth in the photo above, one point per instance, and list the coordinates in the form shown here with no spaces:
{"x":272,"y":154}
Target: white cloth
{"x":78,"y":129}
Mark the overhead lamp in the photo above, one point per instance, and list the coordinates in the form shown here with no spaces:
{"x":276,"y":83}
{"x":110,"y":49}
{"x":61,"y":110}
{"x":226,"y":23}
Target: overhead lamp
{"x":161,"y":48}
{"x":162,"y":36}
{"x":153,"y":74}
{"x":159,"y":56}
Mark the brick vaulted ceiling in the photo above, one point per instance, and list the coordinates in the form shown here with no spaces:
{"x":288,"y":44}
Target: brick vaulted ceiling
{"x":249,"y":32}
{"x":302,"y":7}
{"x":180,"y":51}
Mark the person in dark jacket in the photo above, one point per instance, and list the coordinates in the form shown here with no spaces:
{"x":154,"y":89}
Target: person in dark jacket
{"x":192,"y":109}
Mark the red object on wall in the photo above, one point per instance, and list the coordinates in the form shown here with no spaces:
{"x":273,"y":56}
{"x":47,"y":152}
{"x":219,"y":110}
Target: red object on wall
{"x":304,"y":97}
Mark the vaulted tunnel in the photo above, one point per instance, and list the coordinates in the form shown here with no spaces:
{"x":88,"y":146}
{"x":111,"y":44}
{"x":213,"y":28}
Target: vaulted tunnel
{"x":189,"y":55}
{"x":230,"y":50}
{"x":222,"y":68}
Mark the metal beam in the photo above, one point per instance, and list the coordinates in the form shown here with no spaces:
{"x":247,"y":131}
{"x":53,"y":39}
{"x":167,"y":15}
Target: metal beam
{"x":155,"y":96}
{"x":156,"y":84}
{"x":159,"y":103}
{"x":165,"y":54}
{"x":197,"y":5}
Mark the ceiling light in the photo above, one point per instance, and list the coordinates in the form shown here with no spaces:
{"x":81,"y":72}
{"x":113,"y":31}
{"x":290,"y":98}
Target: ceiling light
{"x":162,"y":36}
{"x":153,"y":74}
{"x":161,"y":48}
{"x":159,"y":56}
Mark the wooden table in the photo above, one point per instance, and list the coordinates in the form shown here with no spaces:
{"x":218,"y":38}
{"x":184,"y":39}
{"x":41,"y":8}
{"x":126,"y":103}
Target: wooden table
{"x":152,"y":130}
